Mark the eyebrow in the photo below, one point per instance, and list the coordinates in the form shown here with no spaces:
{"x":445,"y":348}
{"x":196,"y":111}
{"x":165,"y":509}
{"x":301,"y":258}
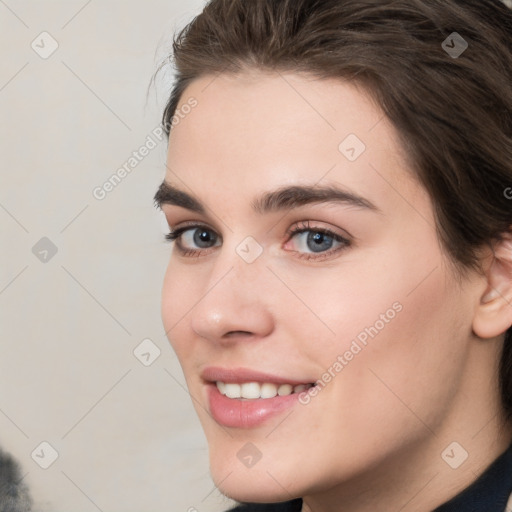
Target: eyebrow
{"x":168,"y":194}
{"x":284,"y":198}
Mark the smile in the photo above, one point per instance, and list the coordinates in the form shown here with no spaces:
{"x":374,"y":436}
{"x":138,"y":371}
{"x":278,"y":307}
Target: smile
{"x":255,"y":390}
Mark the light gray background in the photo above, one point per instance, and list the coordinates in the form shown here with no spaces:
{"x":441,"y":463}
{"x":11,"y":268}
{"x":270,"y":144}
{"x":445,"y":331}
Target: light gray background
{"x":127,"y":436}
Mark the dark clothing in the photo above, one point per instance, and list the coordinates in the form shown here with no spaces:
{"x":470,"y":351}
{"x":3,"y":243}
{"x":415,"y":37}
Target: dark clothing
{"x":288,"y":506}
{"x":489,"y":493}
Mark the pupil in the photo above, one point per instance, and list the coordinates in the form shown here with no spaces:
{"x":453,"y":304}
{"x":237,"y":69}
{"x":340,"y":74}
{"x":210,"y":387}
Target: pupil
{"x":318,"y":242}
{"x":203,"y":238}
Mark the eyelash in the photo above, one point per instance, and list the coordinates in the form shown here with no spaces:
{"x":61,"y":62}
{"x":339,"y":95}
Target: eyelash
{"x":302,"y":227}
{"x":174,"y":236}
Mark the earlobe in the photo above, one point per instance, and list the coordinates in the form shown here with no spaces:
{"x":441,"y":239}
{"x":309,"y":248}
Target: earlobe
{"x":494,"y":313}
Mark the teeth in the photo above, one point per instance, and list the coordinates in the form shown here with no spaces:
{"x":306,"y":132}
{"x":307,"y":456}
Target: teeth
{"x":253,"y":390}
{"x":232,"y":390}
{"x":250,"y":390}
{"x":285,"y":389}
{"x":268,"y":390}
{"x":222,"y":387}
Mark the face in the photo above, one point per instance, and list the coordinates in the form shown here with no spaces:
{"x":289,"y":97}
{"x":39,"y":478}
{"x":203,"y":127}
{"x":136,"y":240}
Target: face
{"x":305,"y":253}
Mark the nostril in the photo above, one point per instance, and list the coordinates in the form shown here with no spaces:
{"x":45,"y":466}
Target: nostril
{"x":232,"y":334}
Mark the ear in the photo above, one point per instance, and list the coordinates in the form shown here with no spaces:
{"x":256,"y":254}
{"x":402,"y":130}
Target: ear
{"x":494,"y":313}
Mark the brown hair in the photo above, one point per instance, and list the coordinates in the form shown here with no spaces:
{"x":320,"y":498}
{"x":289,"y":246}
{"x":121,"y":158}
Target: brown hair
{"x":453,"y":113}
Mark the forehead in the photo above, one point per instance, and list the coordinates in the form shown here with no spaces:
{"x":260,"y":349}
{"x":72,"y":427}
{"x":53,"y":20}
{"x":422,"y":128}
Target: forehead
{"x":258,"y":130}
{"x":256,"y":108}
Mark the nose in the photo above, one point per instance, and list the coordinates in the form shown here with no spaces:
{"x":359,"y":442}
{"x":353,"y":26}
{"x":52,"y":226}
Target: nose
{"x":235,"y":303}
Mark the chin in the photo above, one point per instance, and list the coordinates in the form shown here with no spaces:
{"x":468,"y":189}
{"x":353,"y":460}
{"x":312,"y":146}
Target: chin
{"x":249,"y":481}
{"x":252,"y":488}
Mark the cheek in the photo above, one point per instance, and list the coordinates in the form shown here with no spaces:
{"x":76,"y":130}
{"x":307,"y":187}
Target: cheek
{"x":410,"y":354}
{"x":392,"y":329}
{"x":178,"y":299}
{"x":170,"y":291}
{"x":423,"y":352}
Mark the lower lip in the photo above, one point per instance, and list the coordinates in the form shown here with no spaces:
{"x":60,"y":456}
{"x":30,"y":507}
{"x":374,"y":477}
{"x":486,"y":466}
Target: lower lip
{"x":239,"y":413}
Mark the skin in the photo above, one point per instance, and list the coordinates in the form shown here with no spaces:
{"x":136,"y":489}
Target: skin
{"x":372,"y":438}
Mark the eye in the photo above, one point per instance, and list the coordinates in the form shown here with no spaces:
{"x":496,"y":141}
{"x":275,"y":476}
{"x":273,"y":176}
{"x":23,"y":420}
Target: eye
{"x":311,"y":242}
{"x":193,"y":240}
{"x":315,"y":241}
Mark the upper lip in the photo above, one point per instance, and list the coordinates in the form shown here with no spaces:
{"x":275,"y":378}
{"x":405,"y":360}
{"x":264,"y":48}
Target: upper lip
{"x":240,"y":375}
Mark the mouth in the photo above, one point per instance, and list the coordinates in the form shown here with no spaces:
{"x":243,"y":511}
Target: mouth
{"x":243,"y":398}
{"x":257,"y":390}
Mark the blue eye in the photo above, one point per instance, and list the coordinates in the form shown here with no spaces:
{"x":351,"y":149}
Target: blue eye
{"x":306,"y":241}
{"x":194,"y":238}
{"x":309,"y":241}
{"x":315,"y":241}
{"x":201,"y":238}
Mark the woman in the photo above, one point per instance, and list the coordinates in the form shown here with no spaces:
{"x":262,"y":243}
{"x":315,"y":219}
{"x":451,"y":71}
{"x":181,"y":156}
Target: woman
{"x":340,"y":286}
